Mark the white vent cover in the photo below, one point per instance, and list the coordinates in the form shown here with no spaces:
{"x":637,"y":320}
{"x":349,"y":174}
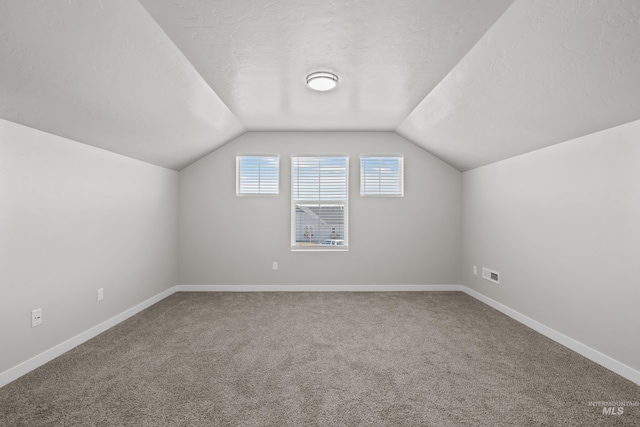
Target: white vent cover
{"x":490,"y":275}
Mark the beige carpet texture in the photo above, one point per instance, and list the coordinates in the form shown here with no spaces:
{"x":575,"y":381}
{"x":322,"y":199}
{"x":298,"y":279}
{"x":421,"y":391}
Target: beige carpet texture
{"x":319,"y":359}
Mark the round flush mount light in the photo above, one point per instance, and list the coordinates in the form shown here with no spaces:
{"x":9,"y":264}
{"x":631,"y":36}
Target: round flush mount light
{"x":322,"y":81}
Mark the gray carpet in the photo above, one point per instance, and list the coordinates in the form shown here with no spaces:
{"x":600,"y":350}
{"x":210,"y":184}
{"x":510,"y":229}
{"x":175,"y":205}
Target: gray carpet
{"x":328,"y":359}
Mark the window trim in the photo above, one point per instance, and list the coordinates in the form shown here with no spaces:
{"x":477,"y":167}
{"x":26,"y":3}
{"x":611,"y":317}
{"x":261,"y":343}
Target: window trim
{"x":345,"y":203}
{"x":400,"y":158}
{"x":238,"y":174}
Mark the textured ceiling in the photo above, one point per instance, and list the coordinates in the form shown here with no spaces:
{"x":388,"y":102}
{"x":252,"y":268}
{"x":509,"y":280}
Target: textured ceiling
{"x":388,"y":54}
{"x":168,"y":81}
{"x":546,"y":72}
{"x":104,"y":73}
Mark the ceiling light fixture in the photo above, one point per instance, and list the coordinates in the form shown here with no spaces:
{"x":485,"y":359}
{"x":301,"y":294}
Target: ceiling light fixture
{"x":322,"y":81}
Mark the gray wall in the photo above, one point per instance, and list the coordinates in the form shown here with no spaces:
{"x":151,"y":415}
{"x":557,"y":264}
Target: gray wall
{"x":225,"y":239}
{"x":74,"y":218}
{"x":562,"y":226}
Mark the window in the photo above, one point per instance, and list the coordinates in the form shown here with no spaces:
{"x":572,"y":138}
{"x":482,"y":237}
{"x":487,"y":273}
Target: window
{"x":381,"y":176}
{"x":319,"y":203}
{"x":257,"y":175}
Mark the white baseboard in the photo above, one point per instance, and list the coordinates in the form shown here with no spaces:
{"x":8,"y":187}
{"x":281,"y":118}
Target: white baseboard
{"x":584,"y":350}
{"x":316,"y":288}
{"x":23,"y":368}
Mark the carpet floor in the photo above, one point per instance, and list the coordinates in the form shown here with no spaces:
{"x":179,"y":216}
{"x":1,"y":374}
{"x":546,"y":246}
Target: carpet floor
{"x":319,"y":359}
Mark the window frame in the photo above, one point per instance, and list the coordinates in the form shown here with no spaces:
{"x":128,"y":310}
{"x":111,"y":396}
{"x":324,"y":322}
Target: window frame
{"x":265,"y":157}
{"x":364,"y":177}
{"x":296,"y":246}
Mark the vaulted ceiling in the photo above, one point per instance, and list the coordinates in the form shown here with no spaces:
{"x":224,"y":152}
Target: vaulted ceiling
{"x":471,"y":81}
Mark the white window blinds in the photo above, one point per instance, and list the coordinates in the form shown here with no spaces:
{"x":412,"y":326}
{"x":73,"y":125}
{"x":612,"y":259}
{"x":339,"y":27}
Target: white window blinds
{"x":381,"y":176}
{"x":319,"y":203}
{"x":257,"y":175}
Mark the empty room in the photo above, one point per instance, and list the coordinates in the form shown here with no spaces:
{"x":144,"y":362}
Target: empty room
{"x":340,"y":212}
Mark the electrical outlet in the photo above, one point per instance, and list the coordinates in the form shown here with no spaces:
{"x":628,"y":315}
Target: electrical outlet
{"x":36,"y":317}
{"x":100,"y":294}
{"x":275,"y":265}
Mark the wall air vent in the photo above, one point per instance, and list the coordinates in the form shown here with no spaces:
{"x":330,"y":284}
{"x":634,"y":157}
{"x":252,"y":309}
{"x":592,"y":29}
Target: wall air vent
{"x":490,"y":275}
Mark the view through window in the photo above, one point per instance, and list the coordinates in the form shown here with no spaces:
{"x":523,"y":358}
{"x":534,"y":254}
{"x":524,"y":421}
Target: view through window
{"x":319,"y":203}
{"x":257,"y":175}
{"x":381,"y":176}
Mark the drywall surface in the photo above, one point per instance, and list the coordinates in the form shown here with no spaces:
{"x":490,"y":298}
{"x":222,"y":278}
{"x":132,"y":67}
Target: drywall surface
{"x":228,"y":240}
{"x":74,"y":218}
{"x":562,"y":227}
